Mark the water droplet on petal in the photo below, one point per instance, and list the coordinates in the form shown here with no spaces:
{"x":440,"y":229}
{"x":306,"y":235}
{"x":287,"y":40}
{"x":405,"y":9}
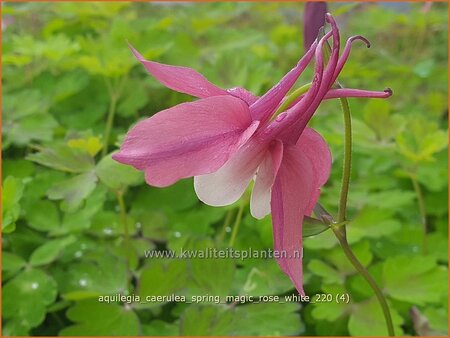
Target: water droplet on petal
{"x":281,"y":117}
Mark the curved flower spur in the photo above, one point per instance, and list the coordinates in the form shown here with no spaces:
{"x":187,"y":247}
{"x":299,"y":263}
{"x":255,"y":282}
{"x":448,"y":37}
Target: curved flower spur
{"x":229,"y":137}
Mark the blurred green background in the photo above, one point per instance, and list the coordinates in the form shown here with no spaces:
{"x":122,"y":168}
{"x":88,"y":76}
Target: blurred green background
{"x":66,"y":68}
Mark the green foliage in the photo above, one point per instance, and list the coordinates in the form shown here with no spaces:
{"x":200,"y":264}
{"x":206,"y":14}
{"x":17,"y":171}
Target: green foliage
{"x":77,"y":225}
{"x":12,"y":190}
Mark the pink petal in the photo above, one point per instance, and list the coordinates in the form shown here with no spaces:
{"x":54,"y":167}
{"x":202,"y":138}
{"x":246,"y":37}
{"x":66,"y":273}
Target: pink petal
{"x":226,"y":185}
{"x":290,"y":198}
{"x":265,"y":106}
{"x":267,"y":171}
{"x":189,"y":139}
{"x":313,"y":20}
{"x":346,"y":53}
{"x":182,"y":79}
{"x":316,"y":149}
{"x":348,"y":92}
{"x":243,"y":94}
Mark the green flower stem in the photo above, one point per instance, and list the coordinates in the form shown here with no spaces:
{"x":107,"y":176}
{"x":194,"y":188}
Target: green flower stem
{"x":341,"y":236}
{"x":126,"y":233}
{"x":340,"y":230}
{"x":114,"y":94}
{"x":225,"y":225}
{"x":109,"y":124}
{"x":291,"y":98}
{"x":236,"y":225}
{"x":423,"y":212}
{"x":346,"y":171}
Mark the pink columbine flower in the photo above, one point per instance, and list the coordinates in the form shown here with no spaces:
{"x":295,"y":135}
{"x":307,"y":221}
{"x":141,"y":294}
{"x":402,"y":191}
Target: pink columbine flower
{"x":229,"y":137}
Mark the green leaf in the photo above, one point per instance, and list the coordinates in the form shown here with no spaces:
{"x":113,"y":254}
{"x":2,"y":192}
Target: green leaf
{"x":17,"y":168}
{"x":415,"y":279}
{"x":99,"y":273}
{"x":422,"y":140}
{"x":152,"y":198}
{"x":372,"y":222}
{"x":12,"y":190}
{"x":259,"y":277}
{"x":48,"y":252}
{"x":162,"y":278}
{"x":206,"y":320}
{"x":31,"y":128}
{"x":135,"y":97}
{"x":325,"y":240}
{"x":43,"y":216}
{"x":64,"y":158}
{"x":159,"y":328}
{"x":329,"y":311}
{"x":312,"y":227}
{"x":212,"y":276}
{"x":115,"y":175}
{"x":329,"y":274}
{"x":438,"y":319}
{"x":377,"y":116}
{"x":367,"y":320}
{"x":361,"y":249}
{"x":27,"y":295}
{"x":93,"y":318}
{"x":74,"y":190}
{"x":268,"y":319}
{"x":22,"y":103}
{"x":11,"y":262}
{"x":92,"y":145}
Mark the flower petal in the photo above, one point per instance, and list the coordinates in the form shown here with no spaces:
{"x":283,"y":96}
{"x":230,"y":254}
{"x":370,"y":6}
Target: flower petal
{"x":226,"y":185}
{"x":349,"y":92}
{"x":182,"y":79}
{"x":265,"y":106}
{"x":267,"y":171}
{"x":312,"y":144}
{"x":290,"y":198}
{"x":243,"y":94}
{"x":314,"y":19}
{"x":189,"y":139}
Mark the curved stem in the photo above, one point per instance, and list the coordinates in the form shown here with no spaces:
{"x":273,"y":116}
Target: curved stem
{"x":340,"y":231}
{"x":340,"y":235}
{"x":347,"y":168}
{"x":236,"y":225}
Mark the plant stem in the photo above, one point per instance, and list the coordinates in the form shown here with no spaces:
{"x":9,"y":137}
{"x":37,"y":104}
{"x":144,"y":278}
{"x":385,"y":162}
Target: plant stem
{"x":347,"y":167}
{"x":423,"y":213}
{"x":126,"y":233}
{"x":340,"y":235}
{"x":236,"y":225}
{"x":340,"y":231}
{"x":291,"y":98}
{"x":114,"y":94}
{"x":109,"y":124}
{"x":225,"y":225}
